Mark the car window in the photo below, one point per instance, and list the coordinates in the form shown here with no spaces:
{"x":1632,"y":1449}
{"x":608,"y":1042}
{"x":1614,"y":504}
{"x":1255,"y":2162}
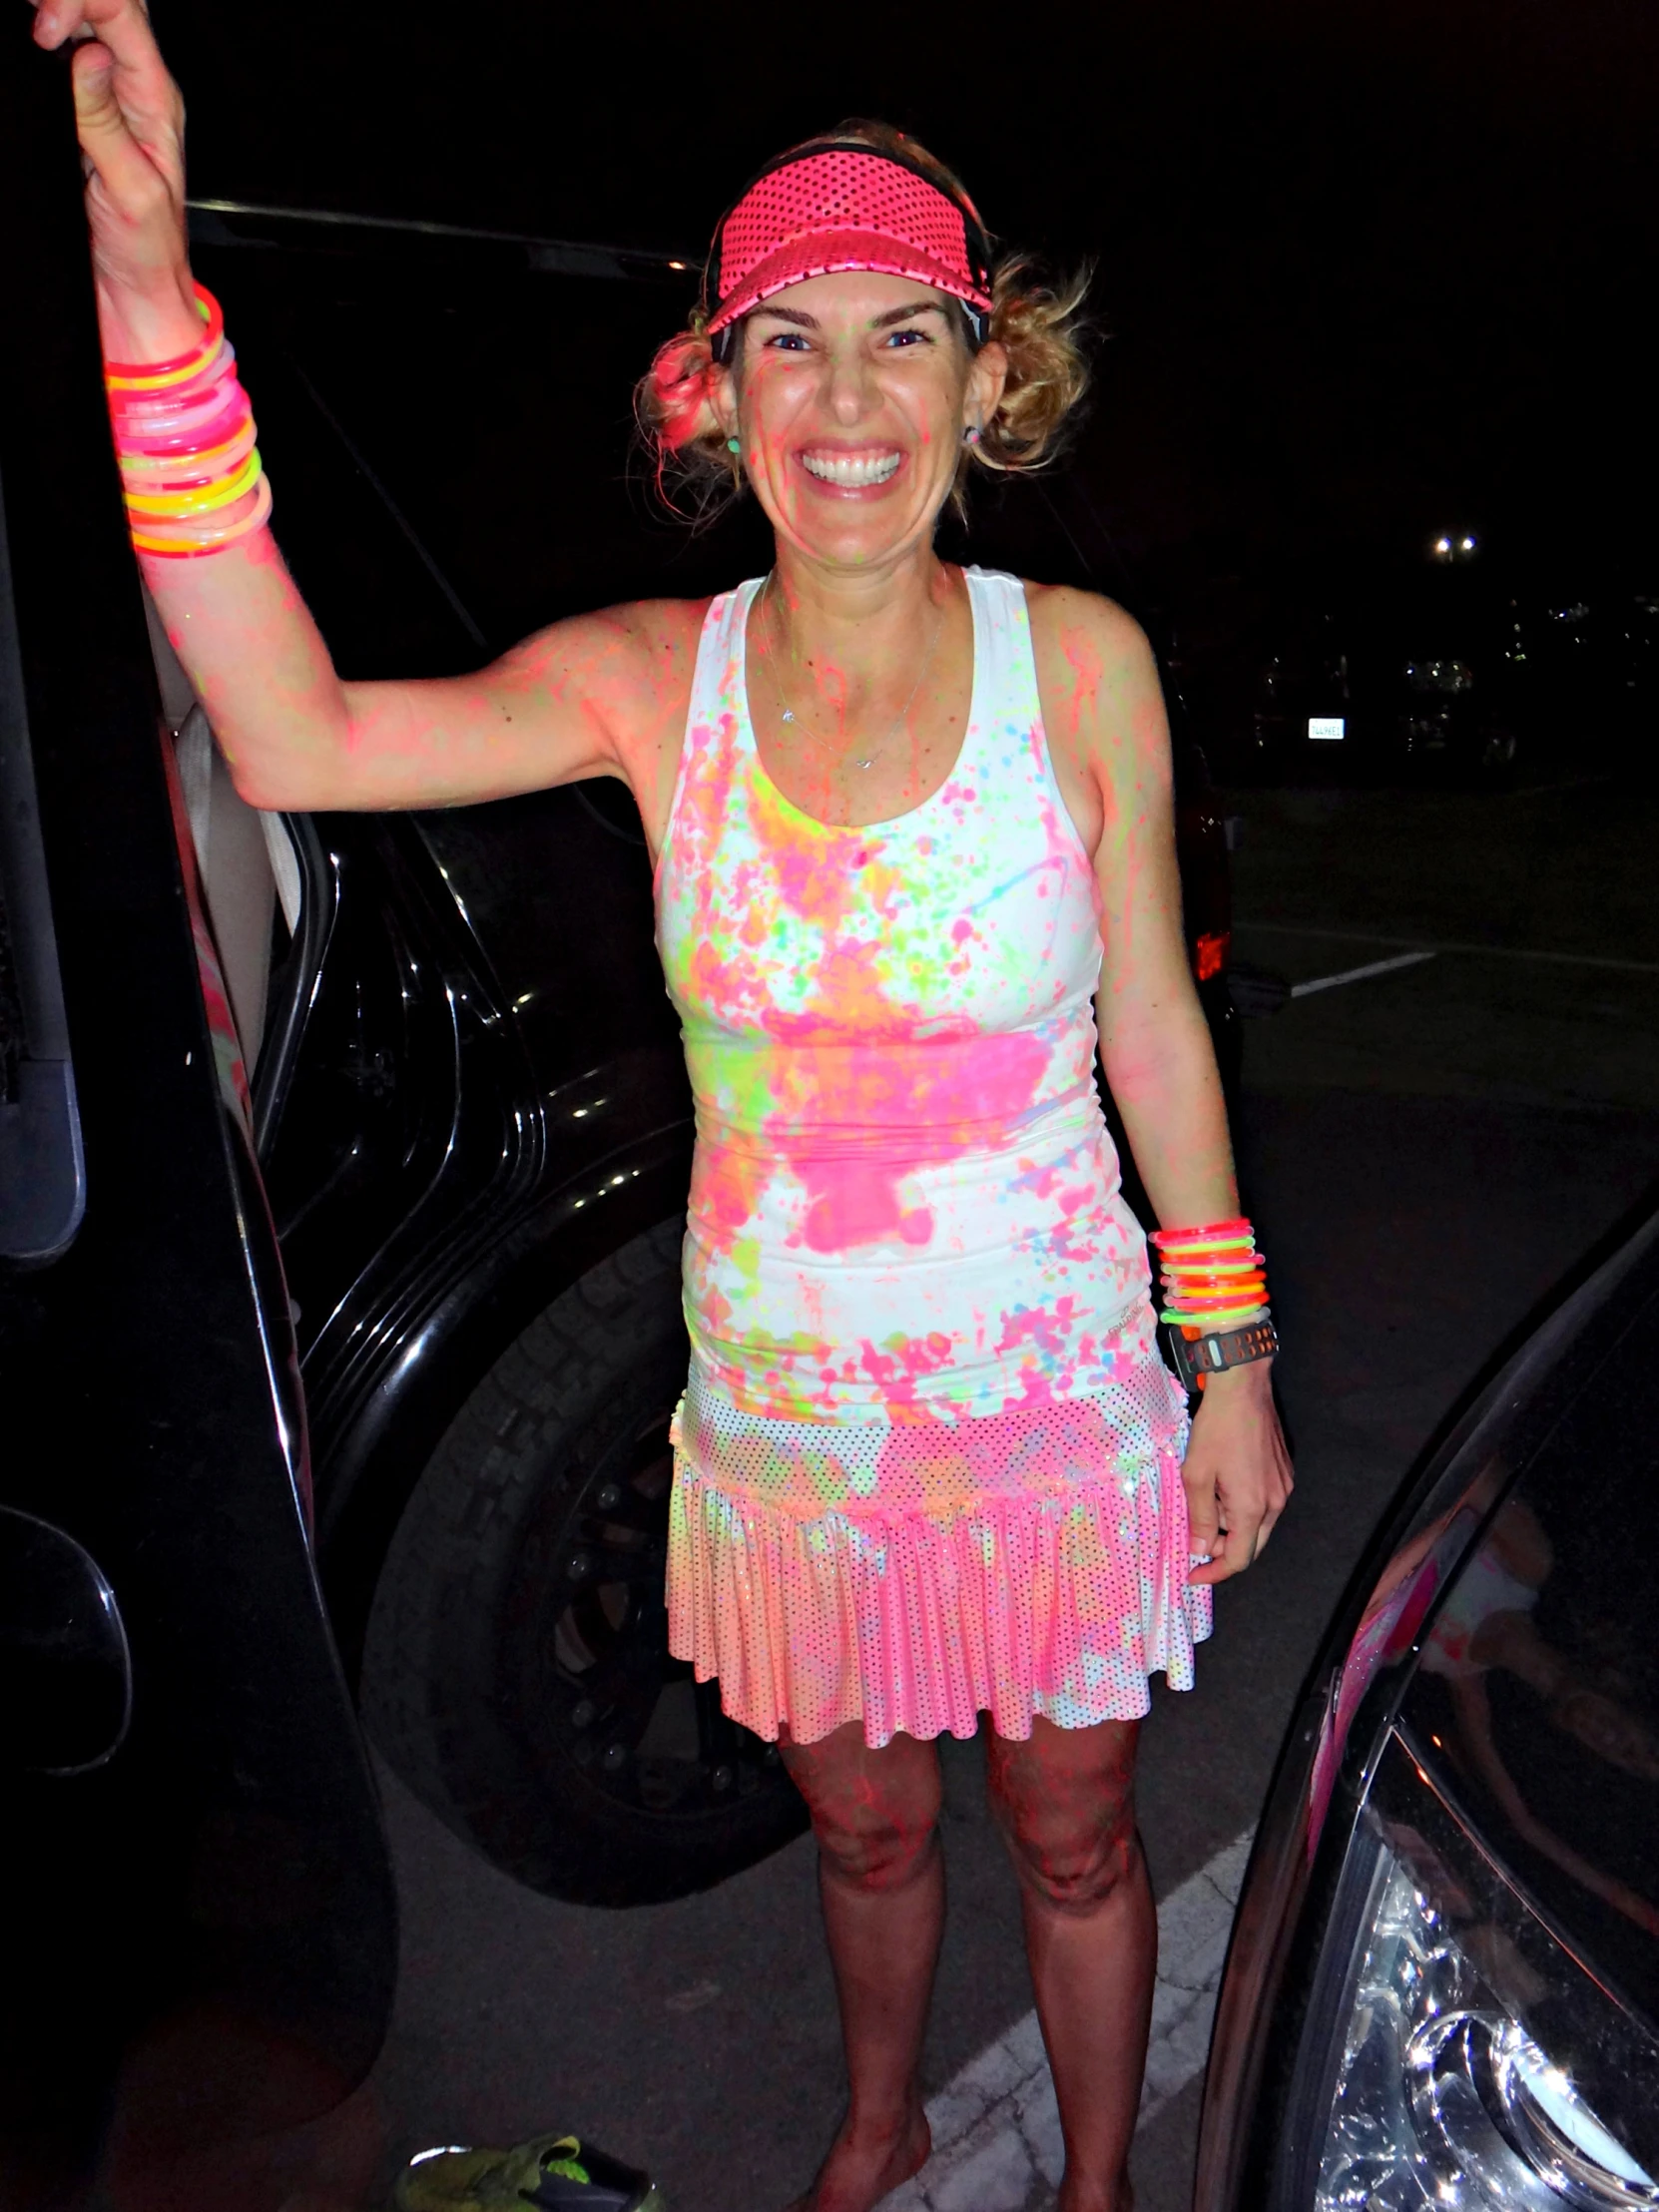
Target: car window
{"x":465,"y":471}
{"x":42,"y":1176}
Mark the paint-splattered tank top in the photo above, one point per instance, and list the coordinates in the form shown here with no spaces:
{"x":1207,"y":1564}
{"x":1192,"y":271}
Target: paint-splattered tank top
{"x":904,"y":1204}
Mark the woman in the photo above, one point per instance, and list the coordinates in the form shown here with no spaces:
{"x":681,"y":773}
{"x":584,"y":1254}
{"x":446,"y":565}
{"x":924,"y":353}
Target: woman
{"x":912,"y":836}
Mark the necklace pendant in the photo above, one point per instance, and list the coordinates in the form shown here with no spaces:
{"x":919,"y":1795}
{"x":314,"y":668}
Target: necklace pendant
{"x":787,"y":715}
{"x":871,"y":763}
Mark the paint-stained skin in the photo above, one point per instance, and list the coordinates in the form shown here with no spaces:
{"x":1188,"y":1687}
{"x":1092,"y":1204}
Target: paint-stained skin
{"x":875,"y":1818}
{"x":1064,"y":1799}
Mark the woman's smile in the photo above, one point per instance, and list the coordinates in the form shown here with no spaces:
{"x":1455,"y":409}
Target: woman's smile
{"x":865,"y":468}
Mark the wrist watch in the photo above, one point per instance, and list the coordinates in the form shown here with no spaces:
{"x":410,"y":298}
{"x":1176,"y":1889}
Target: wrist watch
{"x":1194,"y":1358}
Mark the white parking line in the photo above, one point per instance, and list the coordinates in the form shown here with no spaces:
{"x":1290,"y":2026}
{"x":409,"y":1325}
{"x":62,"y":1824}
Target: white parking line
{"x":1480,"y":951}
{"x":996,"y":2127}
{"x":1357,"y":974}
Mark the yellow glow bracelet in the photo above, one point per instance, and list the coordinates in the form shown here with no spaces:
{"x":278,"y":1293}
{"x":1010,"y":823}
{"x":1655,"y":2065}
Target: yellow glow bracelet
{"x":181,"y":503}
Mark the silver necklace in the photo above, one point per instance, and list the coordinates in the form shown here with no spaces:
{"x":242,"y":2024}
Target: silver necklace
{"x":788,"y":713}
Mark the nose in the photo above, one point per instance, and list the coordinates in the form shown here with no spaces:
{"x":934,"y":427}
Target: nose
{"x":849,"y":385}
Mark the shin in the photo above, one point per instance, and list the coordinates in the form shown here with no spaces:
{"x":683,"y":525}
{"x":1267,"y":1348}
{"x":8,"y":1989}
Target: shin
{"x":1064,"y":1801}
{"x":875,"y":1814}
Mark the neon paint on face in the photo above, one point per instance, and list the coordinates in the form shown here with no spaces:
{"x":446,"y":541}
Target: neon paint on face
{"x":852,"y":397}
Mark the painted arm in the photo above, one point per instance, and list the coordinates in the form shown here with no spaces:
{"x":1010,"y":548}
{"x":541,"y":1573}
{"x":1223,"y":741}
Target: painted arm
{"x":602,"y":694}
{"x":1155,"y":1047}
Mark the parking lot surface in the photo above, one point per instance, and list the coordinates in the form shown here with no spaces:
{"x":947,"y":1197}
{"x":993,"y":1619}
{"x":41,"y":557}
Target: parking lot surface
{"x":1425,"y":1151}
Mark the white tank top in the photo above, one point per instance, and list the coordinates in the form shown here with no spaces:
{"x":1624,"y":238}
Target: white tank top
{"x":904,"y":1204}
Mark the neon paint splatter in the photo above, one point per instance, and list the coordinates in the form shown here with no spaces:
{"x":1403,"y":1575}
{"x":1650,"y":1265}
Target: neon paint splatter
{"x":924,"y":1377}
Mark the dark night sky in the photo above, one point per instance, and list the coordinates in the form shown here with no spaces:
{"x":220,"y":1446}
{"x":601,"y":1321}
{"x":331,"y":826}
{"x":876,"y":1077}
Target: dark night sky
{"x":1365,"y":270}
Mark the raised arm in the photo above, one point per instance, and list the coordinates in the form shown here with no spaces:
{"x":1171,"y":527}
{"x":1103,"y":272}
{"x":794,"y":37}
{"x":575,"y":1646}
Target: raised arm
{"x":1109,"y":738}
{"x":599,"y":694}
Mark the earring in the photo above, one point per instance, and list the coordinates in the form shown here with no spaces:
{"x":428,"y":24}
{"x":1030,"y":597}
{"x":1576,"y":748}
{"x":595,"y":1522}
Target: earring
{"x":734,"y":446}
{"x":970,"y":436}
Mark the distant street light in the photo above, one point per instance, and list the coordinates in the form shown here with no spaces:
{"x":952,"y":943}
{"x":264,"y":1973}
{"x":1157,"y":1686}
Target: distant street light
{"x":1454,"y":545}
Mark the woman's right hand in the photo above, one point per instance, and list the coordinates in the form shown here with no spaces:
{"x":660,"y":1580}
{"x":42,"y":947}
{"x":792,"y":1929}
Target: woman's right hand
{"x":130,"y":121}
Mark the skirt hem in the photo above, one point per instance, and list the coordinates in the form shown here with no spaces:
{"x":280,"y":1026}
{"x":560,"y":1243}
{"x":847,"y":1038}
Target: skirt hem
{"x":1020,"y":1606}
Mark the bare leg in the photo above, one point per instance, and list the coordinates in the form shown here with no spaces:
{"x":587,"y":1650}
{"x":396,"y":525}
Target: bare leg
{"x":1064,"y":1801}
{"x":882,"y":1880}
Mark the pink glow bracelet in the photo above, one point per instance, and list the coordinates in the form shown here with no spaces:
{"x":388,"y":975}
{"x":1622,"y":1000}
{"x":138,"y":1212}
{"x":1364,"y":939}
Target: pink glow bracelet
{"x":185,"y":437}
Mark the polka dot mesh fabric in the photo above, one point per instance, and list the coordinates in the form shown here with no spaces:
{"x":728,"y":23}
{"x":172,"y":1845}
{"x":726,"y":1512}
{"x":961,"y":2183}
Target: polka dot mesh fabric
{"x":824,"y":213}
{"x":1016,"y":1563}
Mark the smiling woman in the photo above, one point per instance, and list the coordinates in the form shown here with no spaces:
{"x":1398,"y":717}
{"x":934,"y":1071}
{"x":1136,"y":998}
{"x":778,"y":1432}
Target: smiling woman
{"x":1036,"y":324}
{"x":914,"y":869}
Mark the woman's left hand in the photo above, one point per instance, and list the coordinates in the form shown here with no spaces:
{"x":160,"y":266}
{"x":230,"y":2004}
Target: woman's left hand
{"x":1237,"y":1472}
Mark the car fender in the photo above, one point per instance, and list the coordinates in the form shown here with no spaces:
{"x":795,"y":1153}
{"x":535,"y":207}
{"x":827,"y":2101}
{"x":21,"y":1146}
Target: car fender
{"x":375,"y":1427}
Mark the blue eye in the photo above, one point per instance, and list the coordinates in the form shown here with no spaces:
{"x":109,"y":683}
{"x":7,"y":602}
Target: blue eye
{"x":909,"y":337}
{"x":789,"y":337}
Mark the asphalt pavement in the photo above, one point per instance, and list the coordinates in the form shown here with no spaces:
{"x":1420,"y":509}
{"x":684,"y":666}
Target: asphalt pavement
{"x":1426,"y":1149}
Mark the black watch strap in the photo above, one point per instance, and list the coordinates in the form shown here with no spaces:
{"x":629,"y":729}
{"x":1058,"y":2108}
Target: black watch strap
{"x":1193,"y":1358}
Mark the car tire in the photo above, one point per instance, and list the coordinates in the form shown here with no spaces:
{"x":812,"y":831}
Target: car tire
{"x":516,"y":1669}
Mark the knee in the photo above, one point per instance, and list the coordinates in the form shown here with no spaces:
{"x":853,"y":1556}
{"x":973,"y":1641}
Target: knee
{"x":1066,"y":1809}
{"x":1073,"y":1868}
{"x":874,"y":1813}
{"x":875,"y":1845}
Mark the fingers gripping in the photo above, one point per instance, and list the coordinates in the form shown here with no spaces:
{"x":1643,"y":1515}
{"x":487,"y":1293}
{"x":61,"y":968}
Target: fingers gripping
{"x":105,"y":138}
{"x":1203,"y":1512}
{"x":127,"y":108}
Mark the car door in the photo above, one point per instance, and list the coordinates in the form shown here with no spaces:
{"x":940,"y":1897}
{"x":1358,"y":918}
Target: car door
{"x":200,"y":1924}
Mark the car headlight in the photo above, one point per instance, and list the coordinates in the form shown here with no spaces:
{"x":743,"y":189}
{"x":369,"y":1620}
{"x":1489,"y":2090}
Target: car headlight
{"x":1460,"y":2078}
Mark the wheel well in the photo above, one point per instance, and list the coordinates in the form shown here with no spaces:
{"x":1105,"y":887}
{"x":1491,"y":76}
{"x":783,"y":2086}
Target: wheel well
{"x":367,"y":1461}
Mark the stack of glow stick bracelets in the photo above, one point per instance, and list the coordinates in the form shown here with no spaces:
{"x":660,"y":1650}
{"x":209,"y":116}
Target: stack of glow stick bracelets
{"x":184,"y":433}
{"x":1213,"y":1278}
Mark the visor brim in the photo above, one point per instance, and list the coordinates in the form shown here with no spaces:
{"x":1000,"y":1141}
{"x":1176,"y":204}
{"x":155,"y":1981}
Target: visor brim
{"x":829,"y":254}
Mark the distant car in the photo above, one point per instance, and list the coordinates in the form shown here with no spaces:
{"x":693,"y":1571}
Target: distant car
{"x":468,"y":1090}
{"x":1455,"y":709}
{"x":1443,"y":1983}
{"x":1299,"y":720}
{"x":1423,"y":677}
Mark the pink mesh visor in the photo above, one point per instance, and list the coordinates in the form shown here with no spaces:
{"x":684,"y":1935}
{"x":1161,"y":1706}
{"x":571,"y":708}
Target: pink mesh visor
{"x":843,"y":208}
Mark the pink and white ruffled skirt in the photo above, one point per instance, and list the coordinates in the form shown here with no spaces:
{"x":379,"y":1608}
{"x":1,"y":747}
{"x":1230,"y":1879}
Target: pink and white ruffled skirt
{"x":916,"y":1575}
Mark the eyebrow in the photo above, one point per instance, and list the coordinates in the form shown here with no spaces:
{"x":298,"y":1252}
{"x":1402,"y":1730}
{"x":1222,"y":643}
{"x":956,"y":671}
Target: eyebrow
{"x":880,"y":323}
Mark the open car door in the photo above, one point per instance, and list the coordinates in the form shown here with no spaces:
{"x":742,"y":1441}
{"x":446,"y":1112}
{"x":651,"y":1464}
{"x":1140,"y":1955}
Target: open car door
{"x":200,"y":1926}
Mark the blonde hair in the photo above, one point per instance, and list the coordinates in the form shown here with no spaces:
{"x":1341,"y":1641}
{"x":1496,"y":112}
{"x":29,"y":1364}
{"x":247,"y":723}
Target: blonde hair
{"x":1038,"y":322}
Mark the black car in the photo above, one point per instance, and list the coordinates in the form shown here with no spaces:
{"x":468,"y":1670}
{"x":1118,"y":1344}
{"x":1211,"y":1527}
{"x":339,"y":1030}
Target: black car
{"x":1444,"y":1983}
{"x":200,"y":1927}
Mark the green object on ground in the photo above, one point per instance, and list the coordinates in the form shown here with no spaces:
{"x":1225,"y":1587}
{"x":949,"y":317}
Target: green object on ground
{"x":558,"y":2172}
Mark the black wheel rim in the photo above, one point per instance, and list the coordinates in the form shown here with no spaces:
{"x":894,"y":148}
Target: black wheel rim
{"x":588,"y":1667}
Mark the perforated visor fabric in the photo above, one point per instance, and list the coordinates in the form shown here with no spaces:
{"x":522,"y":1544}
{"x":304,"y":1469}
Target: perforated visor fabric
{"x":1019,"y":1563}
{"x":840,"y":210}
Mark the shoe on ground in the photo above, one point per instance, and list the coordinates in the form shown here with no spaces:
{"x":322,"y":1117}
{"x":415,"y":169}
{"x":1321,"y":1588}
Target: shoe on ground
{"x":551,"y":2173}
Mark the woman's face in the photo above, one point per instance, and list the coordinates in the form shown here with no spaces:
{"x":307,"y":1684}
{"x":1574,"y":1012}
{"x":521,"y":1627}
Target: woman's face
{"x":851,"y":397}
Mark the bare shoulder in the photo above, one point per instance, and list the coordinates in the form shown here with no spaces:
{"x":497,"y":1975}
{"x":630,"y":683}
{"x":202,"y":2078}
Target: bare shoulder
{"x":1097,"y":676}
{"x":630,"y":663}
{"x":1087,"y":645}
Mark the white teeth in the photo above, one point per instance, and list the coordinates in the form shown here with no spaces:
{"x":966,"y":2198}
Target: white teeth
{"x":850,"y":468}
